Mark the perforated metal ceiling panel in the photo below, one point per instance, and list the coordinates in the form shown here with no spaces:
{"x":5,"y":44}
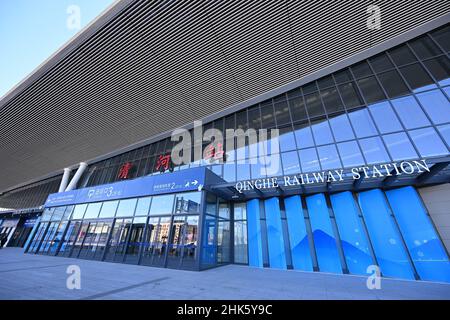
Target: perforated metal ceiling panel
{"x":146,"y":67}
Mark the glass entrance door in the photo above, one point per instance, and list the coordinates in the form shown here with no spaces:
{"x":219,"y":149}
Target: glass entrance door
{"x":136,"y":240}
{"x":69,"y":238}
{"x":78,"y":243}
{"x":155,"y":248}
{"x":175,"y":248}
{"x":117,"y":244}
{"x":103,"y":240}
{"x":38,"y":236}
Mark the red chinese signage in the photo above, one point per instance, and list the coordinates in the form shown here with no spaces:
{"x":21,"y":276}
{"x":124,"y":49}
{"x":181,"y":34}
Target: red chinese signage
{"x":124,"y":170}
{"x":164,"y":163}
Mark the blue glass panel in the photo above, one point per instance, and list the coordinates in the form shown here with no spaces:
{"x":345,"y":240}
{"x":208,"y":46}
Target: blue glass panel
{"x":399,"y":146}
{"x":436,"y":105}
{"x":257,"y":168}
{"x":350,"y":154}
{"x":445,"y":132}
{"x":304,"y":137}
{"x":428,"y":142}
{"x":298,"y":236}
{"x":374,"y":150}
{"x":229,"y":171}
{"x":308,"y":160}
{"x":386,"y":241}
{"x":322,"y":133}
{"x":287,"y":142}
{"x":385,"y":117}
{"x":353,"y":239}
{"x":410,"y":113}
{"x":290,"y":162}
{"x":243,"y":171}
{"x":341,"y":127}
{"x":254,"y":234}
{"x":273,"y":165}
{"x":324,"y":239}
{"x":329,"y":157}
{"x":209,"y":248}
{"x":362,"y":123}
{"x":275,"y":241}
{"x":425,"y":248}
{"x":447,"y":91}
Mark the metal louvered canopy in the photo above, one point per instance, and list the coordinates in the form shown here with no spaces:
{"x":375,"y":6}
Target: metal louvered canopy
{"x":146,"y":67}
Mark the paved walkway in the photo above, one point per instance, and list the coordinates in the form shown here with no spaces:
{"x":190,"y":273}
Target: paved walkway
{"x":26,"y":276}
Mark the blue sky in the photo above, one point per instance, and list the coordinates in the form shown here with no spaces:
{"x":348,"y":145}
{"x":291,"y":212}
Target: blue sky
{"x":32,"y":30}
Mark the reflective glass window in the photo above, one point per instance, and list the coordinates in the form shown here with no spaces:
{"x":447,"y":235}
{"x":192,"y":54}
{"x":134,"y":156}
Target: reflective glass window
{"x":273,"y":165}
{"x":126,"y":208}
{"x":314,"y":105}
{"x":350,"y":95}
{"x":79,"y":210}
{"x":343,"y":76}
{"x":341,"y":127}
{"x":329,"y":157}
{"x":298,"y":110}
{"x":258,"y":169}
{"x":240,"y":211}
{"x":108,"y":209}
{"x":267,"y":115}
{"x":385,"y":117}
{"x":425,"y":48}
{"x":402,"y":55}
{"x":229,"y":171}
{"x":436,"y":105}
{"x":143,"y":206}
{"x":331,"y":100}
{"x":399,"y":146}
{"x":287,"y":140}
{"x":374,"y":150}
{"x":308,"y":160}
{"x":309,"y":88}
{"x":417,"y":78}
{"x":362,"y":123}
{"x":243,"y":171}
{"x":350,"y":154}
{"x":440,"y":69}
{"x":303,"y":136}
{"x":240,"y":242}
{"x":290,"y":162}
{"x":162,"y":205}
{"x":445,"y":132}
{"x":381,"y":63}
{"x":254,"y":118}
{"x":58,"y":213}
{"x":92,"y":210}
{"x":325,"y":82}
{"x":442,"y":36}
{"x":188,"y":202}
{"x":282,"y":113}
{"x":410,"y":113}
{"x":361,"y":70}
{"x":393,"y":84}
{"x":322,"y":132}
{"x":428,"y":142}
{"x":371,"y":90}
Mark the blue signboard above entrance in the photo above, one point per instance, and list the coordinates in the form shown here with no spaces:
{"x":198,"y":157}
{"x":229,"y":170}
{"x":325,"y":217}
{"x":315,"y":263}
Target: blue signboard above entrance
{"x":180,"y":181}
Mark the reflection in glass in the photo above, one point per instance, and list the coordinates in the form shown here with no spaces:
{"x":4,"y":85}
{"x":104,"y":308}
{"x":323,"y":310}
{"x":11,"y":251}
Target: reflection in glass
{"x":240,"y":242}
{"x":428,"y":142}
{"x":350,"y":154}
{"x":410,"y":112}
{"x":303,"y":136}
{"x":126,"y":208}
{"x":385,"y":117}
{"x":329,"y":157}
{"x":374,"y":150}
{"x":436,"y":105}
{"x":290,"y":162}
{"x":162,"y":205}
{"x":108,"y":209}
{"x":322,"y":132}
{"x":362,"y":123}
{"x":399,"y":146}
{"x":143,"y":206}
{"x":342,"y":129}
{"x":308,"y":160}
{"x":188,"y":202}
{"x":92,"y":210}
{"x":417,"y":78}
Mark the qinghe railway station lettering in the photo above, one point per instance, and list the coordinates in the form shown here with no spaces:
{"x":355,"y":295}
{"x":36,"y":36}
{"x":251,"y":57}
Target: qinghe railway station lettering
{"x":361,"y":172}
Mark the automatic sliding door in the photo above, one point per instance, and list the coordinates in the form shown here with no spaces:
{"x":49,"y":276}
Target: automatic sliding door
{"x":150,"y":241}
{"x":117,"y":243}
{"x":175,"y":247}
{"x":79,"y":240}
{"x":90,"y":236}
{"x":38,"y":237}
{"x":69,"y":238}
{"x":156,"y":242}
{"x":136,"y":240}
{"x":103,"y":239}
{"x":58,"y":238}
